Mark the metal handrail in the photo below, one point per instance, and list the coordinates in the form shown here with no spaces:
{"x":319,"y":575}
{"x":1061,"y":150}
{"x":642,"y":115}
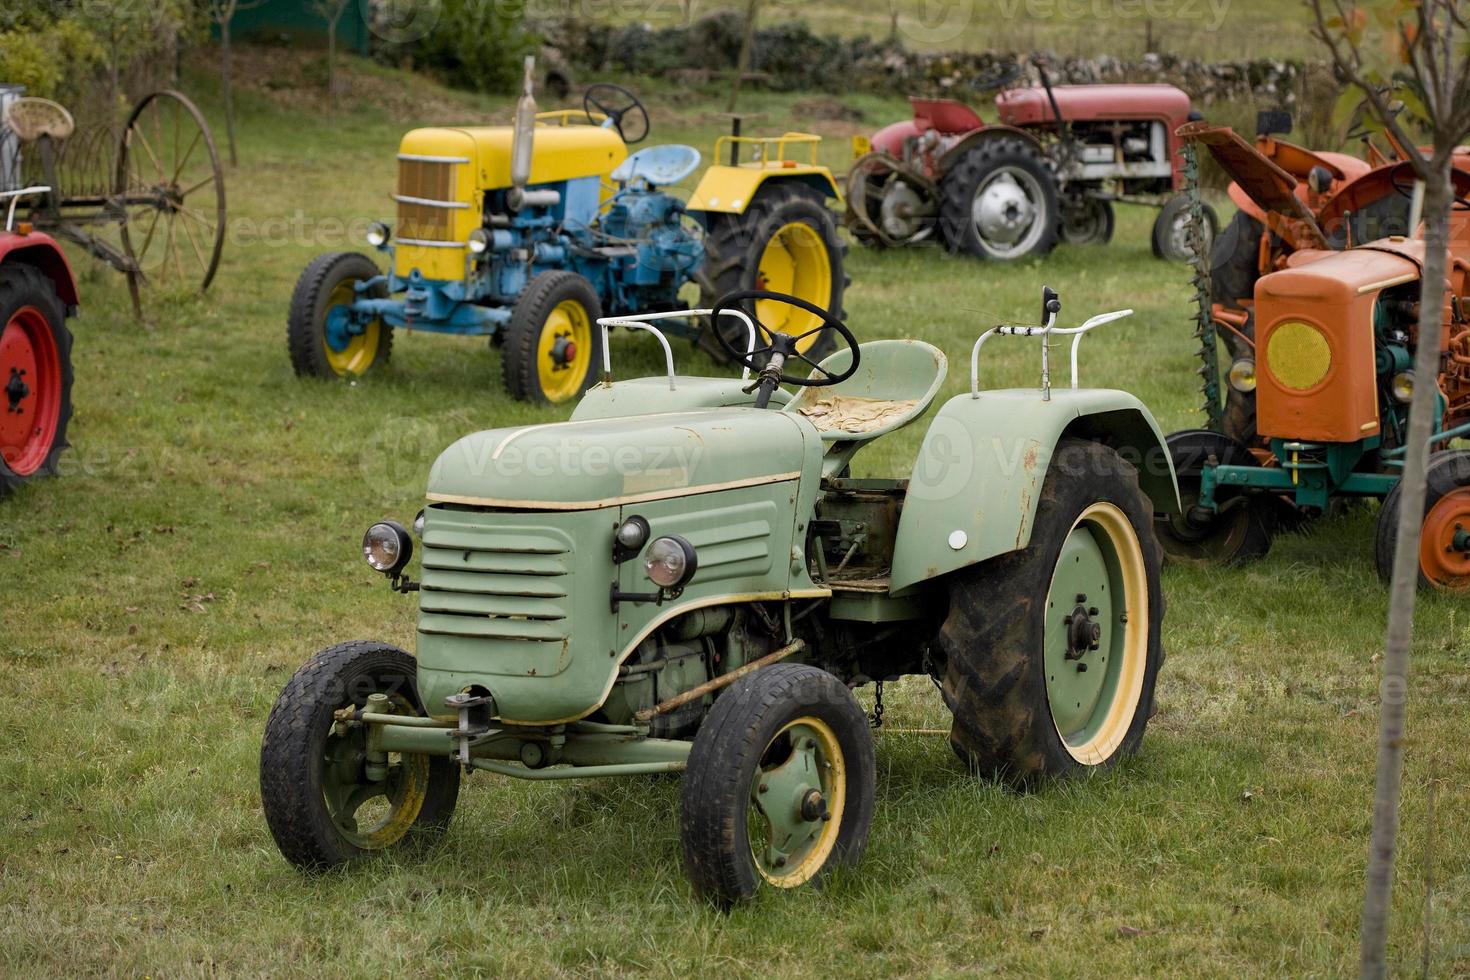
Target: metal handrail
{"x":766,"y":143}
{"x":15,"y":197}
{"x":1046,"y":333}
{"x":641,"y":321}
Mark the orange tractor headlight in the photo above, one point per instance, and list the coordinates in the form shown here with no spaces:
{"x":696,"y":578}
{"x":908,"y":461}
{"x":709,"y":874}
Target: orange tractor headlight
{"x":1298,"y":355}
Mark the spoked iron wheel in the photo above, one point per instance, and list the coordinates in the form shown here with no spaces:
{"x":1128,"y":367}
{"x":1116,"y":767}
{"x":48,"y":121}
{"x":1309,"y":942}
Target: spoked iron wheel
{"x":171,"y":188}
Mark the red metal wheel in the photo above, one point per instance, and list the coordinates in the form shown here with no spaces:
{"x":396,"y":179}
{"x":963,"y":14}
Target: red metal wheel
{"x":31,"y":382}
{"x":1444,"y":545}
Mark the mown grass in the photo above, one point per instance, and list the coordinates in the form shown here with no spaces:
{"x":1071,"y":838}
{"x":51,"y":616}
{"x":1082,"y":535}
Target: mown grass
{"x":204,"y":541}
{"x":1210,"y":29}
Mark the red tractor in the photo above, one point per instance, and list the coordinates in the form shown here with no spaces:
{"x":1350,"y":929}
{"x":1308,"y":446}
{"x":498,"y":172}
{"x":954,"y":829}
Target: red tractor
{"x":1050,"y":169}
{"x":37,"y":294}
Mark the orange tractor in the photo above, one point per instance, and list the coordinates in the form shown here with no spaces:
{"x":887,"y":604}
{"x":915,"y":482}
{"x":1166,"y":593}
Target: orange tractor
{"x":1314,"y":289}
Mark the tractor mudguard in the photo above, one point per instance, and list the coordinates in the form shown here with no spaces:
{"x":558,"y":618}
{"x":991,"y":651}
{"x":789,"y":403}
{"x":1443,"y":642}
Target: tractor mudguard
{"x":977,"y":479}
{"x":729,"y":190}
{"x":40,"y":250}
{"x":993,"y":131}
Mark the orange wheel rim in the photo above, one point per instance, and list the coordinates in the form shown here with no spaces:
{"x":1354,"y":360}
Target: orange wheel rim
{"x":1444,"y":547}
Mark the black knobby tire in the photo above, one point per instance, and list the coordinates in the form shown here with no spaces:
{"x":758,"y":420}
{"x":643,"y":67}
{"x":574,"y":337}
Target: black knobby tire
{"x":716,"y":793}
{"x":734,"y":244}
{"x":1448,"y":472}
{"x":993,"y":638}
{"x":1244,"y":524}
{"x":519,"y":368}
{"x":1235,"y":261}
{"x":22,"y":286}
{"x":963,"y":180}
{"x":306,"y":323}
{"x":1094,"y":224}
{"x":292,"y":753}
{"x":1163,"y":239}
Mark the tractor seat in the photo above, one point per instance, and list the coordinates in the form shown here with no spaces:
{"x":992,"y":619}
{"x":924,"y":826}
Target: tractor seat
{"x":658,"y":165}
{"x":893,"y":385}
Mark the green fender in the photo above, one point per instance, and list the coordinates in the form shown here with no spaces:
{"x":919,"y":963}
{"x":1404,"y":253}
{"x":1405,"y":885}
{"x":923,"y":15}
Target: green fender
{"x":977,"y":478}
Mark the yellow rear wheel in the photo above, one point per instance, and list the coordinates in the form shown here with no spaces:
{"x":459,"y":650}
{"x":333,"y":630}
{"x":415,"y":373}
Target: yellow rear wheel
{"x":787,"y":242}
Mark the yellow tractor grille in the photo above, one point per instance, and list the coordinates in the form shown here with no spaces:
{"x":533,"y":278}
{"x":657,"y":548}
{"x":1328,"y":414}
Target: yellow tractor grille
{"x":424,"y":181}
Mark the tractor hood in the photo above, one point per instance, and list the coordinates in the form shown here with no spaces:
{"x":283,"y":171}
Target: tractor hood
{"x":610,"y":462}
{"x":561,"y":152}
{"x":1086,"y":103}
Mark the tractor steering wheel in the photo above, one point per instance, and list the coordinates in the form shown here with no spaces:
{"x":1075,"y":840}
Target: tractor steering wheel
{"x":1458,"y":179}
{"x":616,"y":102}
{"x":773,"y":349}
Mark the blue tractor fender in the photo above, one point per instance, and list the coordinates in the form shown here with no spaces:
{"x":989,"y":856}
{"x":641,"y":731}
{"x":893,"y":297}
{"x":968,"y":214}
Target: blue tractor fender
{"x":977,"y":480}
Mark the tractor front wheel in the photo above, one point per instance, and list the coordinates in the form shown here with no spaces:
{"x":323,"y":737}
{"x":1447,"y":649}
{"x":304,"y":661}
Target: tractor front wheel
{"x":1444,"y":542}
{"x":552,"y":342}
{"x":1087,"y":220}
{"x":327,"y":800}
{"x":35,"y":376}
{"x":1052,"y":652}
{"x":1170,"y":234}
{"x":325,"y":338}
{"x":780,"y":784}
{"x":785,"y":241}
{"x":1000,"y":201}
{"x":1238,"y":529}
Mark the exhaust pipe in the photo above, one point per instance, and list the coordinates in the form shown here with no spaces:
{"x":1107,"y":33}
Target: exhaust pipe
{"x":521,"y":143}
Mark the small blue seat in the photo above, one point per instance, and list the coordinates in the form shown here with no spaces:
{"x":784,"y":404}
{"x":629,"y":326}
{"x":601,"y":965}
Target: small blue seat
{"x":658,"y":166}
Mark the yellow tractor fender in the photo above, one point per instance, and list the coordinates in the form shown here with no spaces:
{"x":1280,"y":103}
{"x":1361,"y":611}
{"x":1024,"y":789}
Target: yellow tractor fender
{"x":729,"y":190}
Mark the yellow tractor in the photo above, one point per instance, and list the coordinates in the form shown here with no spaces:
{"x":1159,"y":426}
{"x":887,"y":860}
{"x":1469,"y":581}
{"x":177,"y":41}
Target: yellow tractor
{"x":529,"y":233}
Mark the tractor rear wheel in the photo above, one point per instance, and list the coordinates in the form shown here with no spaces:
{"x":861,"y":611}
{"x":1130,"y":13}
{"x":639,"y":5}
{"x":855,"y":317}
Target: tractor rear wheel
{"x":35,"y":375}
{"x":323,"y":338}
{"x":1238,"y":530}
{"x":1000,"y":201}
{"x":780,"y":784}
{"x":322,"y":803}
{"x":787,"y":242}
{"x":1444,"y":543}
{"x":552,"y":342}
{"x":1170,"y":233}
{"x":1052,"y":652}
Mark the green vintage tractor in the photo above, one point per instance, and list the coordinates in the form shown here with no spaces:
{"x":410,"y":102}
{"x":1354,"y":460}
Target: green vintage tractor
{"x":685,"y":577}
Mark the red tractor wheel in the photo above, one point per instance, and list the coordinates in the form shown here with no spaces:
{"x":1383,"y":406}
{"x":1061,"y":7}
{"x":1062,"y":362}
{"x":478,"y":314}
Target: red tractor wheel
{"x":1444,"y":542}
{"x":35,"y":375}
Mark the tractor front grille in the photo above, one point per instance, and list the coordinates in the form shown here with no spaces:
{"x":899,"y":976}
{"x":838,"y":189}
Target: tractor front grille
{"x":494,"y":581}
{"x":426,"y":180}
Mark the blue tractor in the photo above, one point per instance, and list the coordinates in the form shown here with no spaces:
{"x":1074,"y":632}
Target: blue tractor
{"x":532,"y":232}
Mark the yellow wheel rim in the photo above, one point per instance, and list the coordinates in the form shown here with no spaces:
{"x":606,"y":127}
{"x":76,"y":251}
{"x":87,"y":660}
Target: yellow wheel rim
{"x":795,"y":262}
{"x":362,"y":350}
{"x":814,"y":762}
{"x":373,"y":816}
{"x":1125,"y":636}
{"x":564,"y":351}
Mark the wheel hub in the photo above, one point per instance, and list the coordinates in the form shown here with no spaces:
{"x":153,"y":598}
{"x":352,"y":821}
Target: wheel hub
{"x":16,"y":389}
{"x":1083,"y":632}
{"x":1003,"y":213}
{"x":563,"y":351}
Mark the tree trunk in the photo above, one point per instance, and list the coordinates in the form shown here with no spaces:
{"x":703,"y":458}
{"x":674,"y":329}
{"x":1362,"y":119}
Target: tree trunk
{"x":227,"y":89}
{"x":1393,"y":689}
{"x":742,"y":63}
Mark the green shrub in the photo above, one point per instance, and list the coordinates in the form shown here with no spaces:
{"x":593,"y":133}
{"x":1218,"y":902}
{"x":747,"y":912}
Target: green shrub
{"x":474,"y":44}
{"x":45,"y":58}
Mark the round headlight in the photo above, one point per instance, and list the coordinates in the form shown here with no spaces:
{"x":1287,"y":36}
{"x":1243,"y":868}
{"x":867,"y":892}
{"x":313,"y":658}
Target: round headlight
{"x":1243,"y":375}
{"x":1402,"y":386}
{"x":387,"y":547}
{"x":479,"y":240}
{"x":633,"y":533}
{"x":377,"y":234}
{"x":418,"y":524}
{"x":670,"y":562}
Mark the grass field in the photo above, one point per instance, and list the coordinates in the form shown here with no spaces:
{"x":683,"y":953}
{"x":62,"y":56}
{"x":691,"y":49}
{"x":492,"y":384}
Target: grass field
{"x":204,"y":541}
{"x":1209,"y":29}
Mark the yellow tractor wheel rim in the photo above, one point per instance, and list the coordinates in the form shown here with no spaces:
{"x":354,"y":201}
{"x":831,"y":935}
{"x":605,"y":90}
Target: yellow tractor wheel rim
{"x":795,"y":262}
{"x":362,"y":350}
{"x":808,"y":860}
{"x":564,"y":351}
